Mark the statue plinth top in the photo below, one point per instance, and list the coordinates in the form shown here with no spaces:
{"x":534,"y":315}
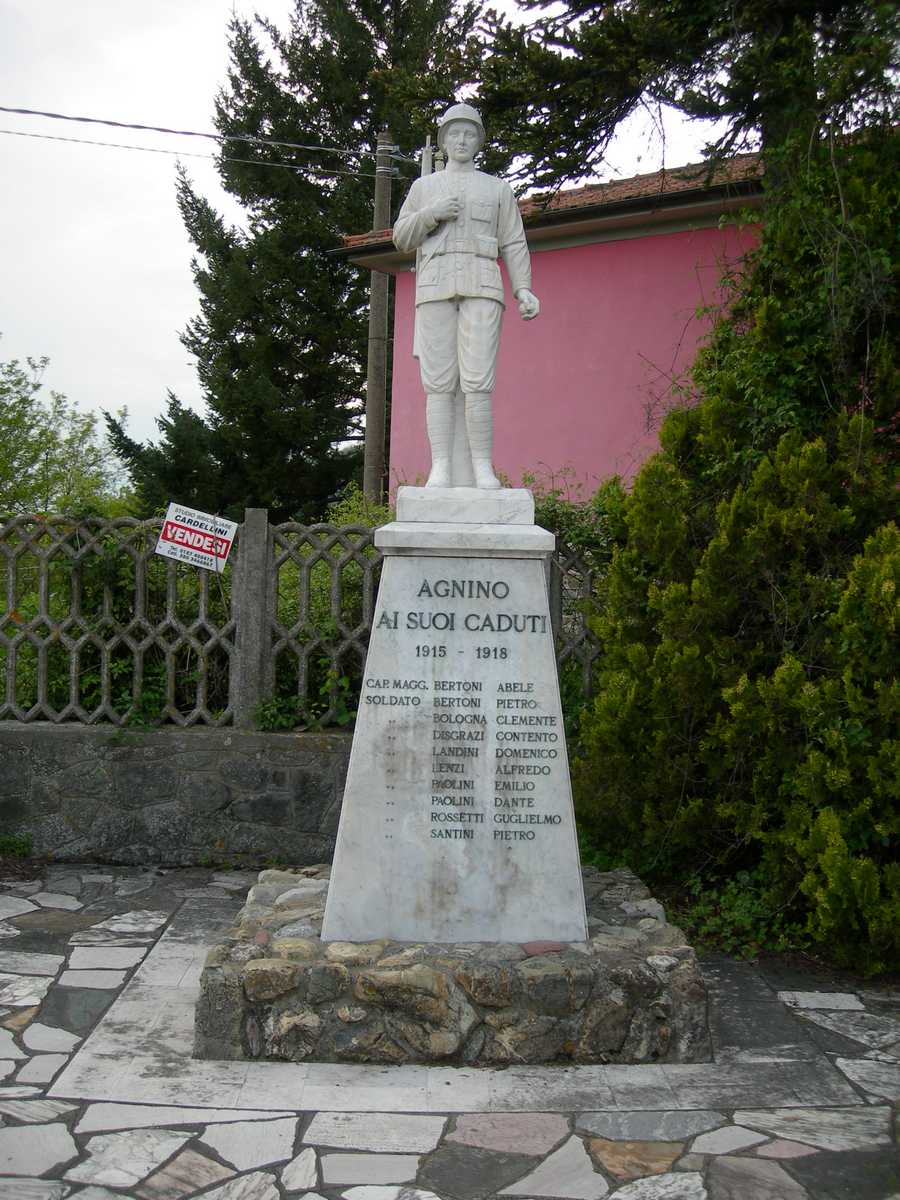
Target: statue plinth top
{"x":466,"y":505}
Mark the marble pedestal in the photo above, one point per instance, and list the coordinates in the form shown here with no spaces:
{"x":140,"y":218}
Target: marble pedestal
{"x":457,"y":821}
{"x":451,"y":928}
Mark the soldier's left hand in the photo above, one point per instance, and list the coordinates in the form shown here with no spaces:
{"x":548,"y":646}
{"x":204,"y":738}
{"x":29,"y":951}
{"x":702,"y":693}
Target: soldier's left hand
{"x":529,"y":305}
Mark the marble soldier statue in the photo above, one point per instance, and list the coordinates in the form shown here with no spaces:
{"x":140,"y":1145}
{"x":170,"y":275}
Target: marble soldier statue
{"x":460,"y":221}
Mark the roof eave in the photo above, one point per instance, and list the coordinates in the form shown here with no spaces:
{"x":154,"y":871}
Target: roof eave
{"x":704,"y":204}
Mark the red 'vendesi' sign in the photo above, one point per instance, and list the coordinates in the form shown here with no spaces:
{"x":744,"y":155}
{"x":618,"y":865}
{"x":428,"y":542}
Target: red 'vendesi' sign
{"x":183,"y":535}
{"x":194,"y":537}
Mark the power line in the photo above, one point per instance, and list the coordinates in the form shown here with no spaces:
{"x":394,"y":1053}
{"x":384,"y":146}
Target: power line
{"x":216,"y":137}
{"x":253,"y":162}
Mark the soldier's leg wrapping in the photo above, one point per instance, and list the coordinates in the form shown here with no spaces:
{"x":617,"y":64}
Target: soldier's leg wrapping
{"x":478,"y":339}
{"x":439,"y":423}
{"x":436,"y":324}
{"x":461,"y":468}
{"x":480,"y":426}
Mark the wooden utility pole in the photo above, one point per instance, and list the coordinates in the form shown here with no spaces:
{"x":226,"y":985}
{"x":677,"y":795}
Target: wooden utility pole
{"x":376,"y":377}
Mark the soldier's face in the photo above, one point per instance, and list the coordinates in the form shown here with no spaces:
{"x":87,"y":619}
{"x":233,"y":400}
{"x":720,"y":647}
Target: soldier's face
{"x":461,"y":140}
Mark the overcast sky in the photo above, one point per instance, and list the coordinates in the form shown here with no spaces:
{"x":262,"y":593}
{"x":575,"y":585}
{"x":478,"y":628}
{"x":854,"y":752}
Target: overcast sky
{"x":94,"y":259}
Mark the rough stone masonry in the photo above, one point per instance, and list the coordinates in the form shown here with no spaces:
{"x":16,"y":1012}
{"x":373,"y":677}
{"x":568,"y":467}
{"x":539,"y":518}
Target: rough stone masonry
{"x":273,"y":989}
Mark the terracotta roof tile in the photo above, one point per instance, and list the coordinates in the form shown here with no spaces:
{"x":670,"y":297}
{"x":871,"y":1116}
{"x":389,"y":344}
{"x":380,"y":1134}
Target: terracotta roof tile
{"x":658,"y":183}
{"x":693,"y":177}
{"x":373,"y":238}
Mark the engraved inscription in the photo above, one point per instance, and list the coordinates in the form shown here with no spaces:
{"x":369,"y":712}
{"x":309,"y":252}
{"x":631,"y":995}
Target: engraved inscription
{"x":493,"y":753}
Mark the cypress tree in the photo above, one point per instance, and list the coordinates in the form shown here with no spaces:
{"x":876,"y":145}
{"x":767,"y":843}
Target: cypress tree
{"x":280,"y":337}
{"x":560,"y":86}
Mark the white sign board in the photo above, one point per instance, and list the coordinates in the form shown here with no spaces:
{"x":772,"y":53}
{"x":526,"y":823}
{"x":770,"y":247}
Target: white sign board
{"x":197,"y":538}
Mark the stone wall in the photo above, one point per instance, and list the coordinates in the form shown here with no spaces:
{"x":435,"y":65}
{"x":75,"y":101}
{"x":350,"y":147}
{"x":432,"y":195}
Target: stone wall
{"x":172,"y":796}
{"x":632,"y":993}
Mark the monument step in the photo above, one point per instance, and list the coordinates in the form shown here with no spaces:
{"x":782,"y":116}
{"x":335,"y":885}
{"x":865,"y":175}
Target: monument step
{"x":456,"y":540}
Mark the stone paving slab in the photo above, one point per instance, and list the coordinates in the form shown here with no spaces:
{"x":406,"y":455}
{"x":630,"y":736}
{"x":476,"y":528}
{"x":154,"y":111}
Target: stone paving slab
{"x":869,"y":1029}
{"x":131,"y":1116}
{"x":8,"y":1048}
{"x":862,"y":1173}
{"x":35,"y":1149}
{"x":34,"y":1189}
{"x":778,"y":1116}
{"x":21,"y":991}
{"x":124,"y":1159}
{"x":12,"y":906}
{"x":45,"y":1038}
{"x":302,"y":1172}
{"x":35,"y":1111}
{"x":105,"y":958}
{"x":826,"y":1128}
{"x":248,"y":1144}
{"x":830,"y":1001}
{"x":527,"y":1133}
{"x":394,"y":1133}
{"x":187,"y":1173}
{"x":627,"y":1161}
{"x":41,"y":1068}
{"x":666,"y":1187}
{"x":566,"y":1172}
{"x":650,"y":1126}
{"x":470,"y":1173}
{"x":167,"y":1025}
{"x":879,"y":1081}
{"x":25,"y":963}
{"x":746,"y":1179}
{"x":369,"y":1168}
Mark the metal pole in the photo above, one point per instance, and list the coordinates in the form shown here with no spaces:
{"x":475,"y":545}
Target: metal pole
{"x":376,"y":377}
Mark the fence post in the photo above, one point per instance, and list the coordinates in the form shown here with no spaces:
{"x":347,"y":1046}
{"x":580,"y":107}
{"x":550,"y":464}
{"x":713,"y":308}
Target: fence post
{"x":554,"y":592}
{"x":251,"y":665}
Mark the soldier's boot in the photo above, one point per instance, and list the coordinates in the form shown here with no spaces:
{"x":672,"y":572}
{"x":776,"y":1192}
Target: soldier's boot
{"x":439,"y":423}
{"x":479,"y":427}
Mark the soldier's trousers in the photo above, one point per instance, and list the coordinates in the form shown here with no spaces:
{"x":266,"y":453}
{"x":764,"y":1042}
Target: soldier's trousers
{"x":457,"y":342}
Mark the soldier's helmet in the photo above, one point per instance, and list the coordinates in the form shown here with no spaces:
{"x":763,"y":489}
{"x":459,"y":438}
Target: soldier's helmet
{"x":461,"y":112}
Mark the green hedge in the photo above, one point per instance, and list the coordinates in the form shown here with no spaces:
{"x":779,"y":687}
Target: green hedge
{"x":747,"y":712}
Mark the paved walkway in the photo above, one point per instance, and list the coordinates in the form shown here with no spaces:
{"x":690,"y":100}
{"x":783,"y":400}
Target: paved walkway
{"x":99,"y":1097}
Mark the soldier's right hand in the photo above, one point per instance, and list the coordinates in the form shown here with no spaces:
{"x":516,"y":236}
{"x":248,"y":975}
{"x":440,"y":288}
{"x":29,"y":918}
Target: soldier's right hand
{"x":446,"y":209}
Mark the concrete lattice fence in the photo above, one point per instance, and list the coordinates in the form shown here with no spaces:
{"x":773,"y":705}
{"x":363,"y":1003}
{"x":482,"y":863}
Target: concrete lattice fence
{"x":97,"y":628}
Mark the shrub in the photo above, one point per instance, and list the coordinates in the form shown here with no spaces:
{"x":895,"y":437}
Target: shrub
{"x":747,"y":712}
{"x":15,"y":846}
{"x":586,"y":524}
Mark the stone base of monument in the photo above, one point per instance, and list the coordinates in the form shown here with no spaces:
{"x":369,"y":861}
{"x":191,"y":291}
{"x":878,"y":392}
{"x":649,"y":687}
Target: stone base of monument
{"x":631,"y":993}
{"x":457,"y":812}
{"x":453,"y":926}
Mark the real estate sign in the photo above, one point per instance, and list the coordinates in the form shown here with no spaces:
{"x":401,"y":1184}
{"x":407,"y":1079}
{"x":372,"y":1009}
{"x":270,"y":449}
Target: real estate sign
{"x":197,"y":538}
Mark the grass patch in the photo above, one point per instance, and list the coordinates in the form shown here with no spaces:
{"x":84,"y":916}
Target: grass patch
{"x":15,"y":845}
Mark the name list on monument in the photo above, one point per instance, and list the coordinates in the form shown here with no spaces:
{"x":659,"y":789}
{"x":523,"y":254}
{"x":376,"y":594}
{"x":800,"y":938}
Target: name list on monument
{"x":457,"y":821}
{"x":468,"y":691}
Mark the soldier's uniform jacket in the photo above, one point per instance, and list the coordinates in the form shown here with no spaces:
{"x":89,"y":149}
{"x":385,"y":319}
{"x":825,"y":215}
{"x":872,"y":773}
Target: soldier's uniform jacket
{"x":459,"y":258}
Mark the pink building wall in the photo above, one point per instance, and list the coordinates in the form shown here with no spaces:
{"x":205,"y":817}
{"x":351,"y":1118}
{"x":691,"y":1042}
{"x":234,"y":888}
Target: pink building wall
{"x":617,"y":322}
